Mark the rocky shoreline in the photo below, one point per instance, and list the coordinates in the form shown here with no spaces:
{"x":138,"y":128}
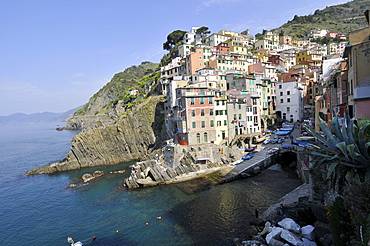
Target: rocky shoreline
{"x":293,"y":220}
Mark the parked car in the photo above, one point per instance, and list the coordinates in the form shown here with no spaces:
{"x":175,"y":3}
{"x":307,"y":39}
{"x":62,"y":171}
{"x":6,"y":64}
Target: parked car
{"x":247,"y":157}
{"x":250,"y":149}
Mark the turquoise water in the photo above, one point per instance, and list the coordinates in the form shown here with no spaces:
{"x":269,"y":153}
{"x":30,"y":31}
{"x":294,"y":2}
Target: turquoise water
{"x":43,"y":210}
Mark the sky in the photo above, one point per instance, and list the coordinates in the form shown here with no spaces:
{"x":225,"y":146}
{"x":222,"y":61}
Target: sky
{"x":56,"y":54}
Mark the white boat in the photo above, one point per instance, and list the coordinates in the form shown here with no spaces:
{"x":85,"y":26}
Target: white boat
{"x":273,"y":150}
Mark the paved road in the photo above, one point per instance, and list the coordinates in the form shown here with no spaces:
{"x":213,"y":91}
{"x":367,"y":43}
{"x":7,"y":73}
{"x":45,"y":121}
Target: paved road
{"x":261,"y":154}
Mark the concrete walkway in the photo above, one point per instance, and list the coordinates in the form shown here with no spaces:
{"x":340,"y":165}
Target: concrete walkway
{"x":261,"y":154}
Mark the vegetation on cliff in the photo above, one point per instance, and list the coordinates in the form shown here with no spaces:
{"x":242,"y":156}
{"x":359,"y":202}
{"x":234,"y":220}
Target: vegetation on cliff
{"x":342,"y":18}
{"x":127,"y":86}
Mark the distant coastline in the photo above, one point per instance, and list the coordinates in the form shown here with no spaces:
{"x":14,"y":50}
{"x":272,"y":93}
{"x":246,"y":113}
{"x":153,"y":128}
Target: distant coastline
{"x":21,"y":118}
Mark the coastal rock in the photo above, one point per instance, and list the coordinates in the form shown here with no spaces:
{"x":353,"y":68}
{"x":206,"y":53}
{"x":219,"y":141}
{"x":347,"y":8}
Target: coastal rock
{"x":289,"y":224}
{"x":307,"y":242}
{"x":87,"y":176}
{"x":274,"y":242}
{"x":180,"y":165}
{"x":105,"y":142}
{"x":308,"y":232}
{"x":274,"y":234}
{"x":291,"y":238}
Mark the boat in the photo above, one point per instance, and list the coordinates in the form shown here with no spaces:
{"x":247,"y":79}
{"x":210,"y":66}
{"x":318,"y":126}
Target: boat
{"x":247,"y":157}
{"x":82,"y":242}
{"x":250,"y":149}
{"x":273,"y":150}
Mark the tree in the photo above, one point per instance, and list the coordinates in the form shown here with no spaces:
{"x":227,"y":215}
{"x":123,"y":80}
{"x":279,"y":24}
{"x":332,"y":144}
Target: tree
{"x":173,"y":39}
{"x":203,"y":30}
{"x":246,"y":32}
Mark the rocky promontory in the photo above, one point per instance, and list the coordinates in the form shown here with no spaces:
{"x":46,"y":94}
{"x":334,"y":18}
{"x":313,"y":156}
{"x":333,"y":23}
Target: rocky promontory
{"x":107,"y":142}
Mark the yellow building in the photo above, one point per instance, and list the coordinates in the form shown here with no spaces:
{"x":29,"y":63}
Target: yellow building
{"x":237,"y":45}
{"x":307,"y":55}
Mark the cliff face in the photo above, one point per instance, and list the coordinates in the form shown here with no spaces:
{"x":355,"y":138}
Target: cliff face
{"x":106,"y":142}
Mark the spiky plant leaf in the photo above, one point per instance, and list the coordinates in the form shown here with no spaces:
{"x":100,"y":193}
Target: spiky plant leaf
{"x":343,"y":149}
{"x":335,"y":128}
{"x":351,"y":151}
{"x":331,"y":169}
{"x":327,"y":132}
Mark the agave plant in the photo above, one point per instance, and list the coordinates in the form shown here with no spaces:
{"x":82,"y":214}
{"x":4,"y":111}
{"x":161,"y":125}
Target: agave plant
{"x":342,"y":146}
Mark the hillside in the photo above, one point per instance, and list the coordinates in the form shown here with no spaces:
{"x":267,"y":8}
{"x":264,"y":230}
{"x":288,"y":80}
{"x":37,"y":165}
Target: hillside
{"x":118,"y":89}
{"x":342,"y":18}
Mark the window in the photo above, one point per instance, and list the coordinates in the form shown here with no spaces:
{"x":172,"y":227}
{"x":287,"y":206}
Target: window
{"x":198,"y":138}
{"x":202,"y":112}
{"x":218,"y":103}
{"x":281,"y":93}
{"x":254,"y":110}
{"x":192,"y":101}
{"x":225,"y":122}
{"x":281,"y":100}
{"x":288,"y":100}
{"x":210,"y":100}
{"x":203,"y":124}
{"x":234,"y":116}
{"x":211,"y":111}
{"x":240,"y":106}
{"x":288,"y":92}
{"x":194,"y":124}
{"x":288,"y":109}
{"x":205,"y":137}
{"x":202,"y":100}
{"x":211,"y":123}
{"x":218,"y":123}
{"x":240,"y":116}
{"x":280,"y":86}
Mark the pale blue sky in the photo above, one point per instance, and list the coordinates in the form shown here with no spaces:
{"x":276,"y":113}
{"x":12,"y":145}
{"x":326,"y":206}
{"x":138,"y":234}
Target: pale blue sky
{"x":55,"y":54}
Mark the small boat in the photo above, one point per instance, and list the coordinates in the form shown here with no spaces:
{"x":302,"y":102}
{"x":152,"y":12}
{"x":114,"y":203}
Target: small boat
{"x":247,"y":157}
{"x":80,"y":243}
{"x":250,"y":149}
{"x":273,"y":150}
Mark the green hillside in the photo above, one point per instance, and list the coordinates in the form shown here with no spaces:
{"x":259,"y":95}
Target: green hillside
{"x":342,"y":18}
{"x":134,"y":77}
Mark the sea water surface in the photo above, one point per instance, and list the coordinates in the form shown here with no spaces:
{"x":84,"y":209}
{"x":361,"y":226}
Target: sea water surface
{"x":43,"y":210}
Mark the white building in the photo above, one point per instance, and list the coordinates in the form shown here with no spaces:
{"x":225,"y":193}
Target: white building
{"x":192,"y":36}
{"x":289,"y":101}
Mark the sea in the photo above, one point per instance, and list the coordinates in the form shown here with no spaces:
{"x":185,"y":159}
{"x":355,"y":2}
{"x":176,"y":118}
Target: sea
{"x":44,"y":210}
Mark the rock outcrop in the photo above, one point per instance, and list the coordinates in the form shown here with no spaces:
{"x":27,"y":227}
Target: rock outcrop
{"x":132,"y":137}
{"x":180,"y":163}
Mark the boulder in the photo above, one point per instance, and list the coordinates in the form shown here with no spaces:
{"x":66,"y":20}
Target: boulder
{"x":266,"y":229}
{"x":307,"y":242}
{"x":289,"y":224}
{"x":274,"y":234}
{"x":291,"y":238}
{"x":308,"y":232}
{"x":274,"y":242}
{"x":251,"y":243}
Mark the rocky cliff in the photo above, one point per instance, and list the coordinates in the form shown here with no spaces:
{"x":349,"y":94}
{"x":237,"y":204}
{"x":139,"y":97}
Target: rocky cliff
{"x":109,"y":142}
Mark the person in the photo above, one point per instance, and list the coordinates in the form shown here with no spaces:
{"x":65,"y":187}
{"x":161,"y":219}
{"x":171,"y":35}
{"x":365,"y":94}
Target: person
{"x":281,"y":210}
{"x":256,"y":212}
